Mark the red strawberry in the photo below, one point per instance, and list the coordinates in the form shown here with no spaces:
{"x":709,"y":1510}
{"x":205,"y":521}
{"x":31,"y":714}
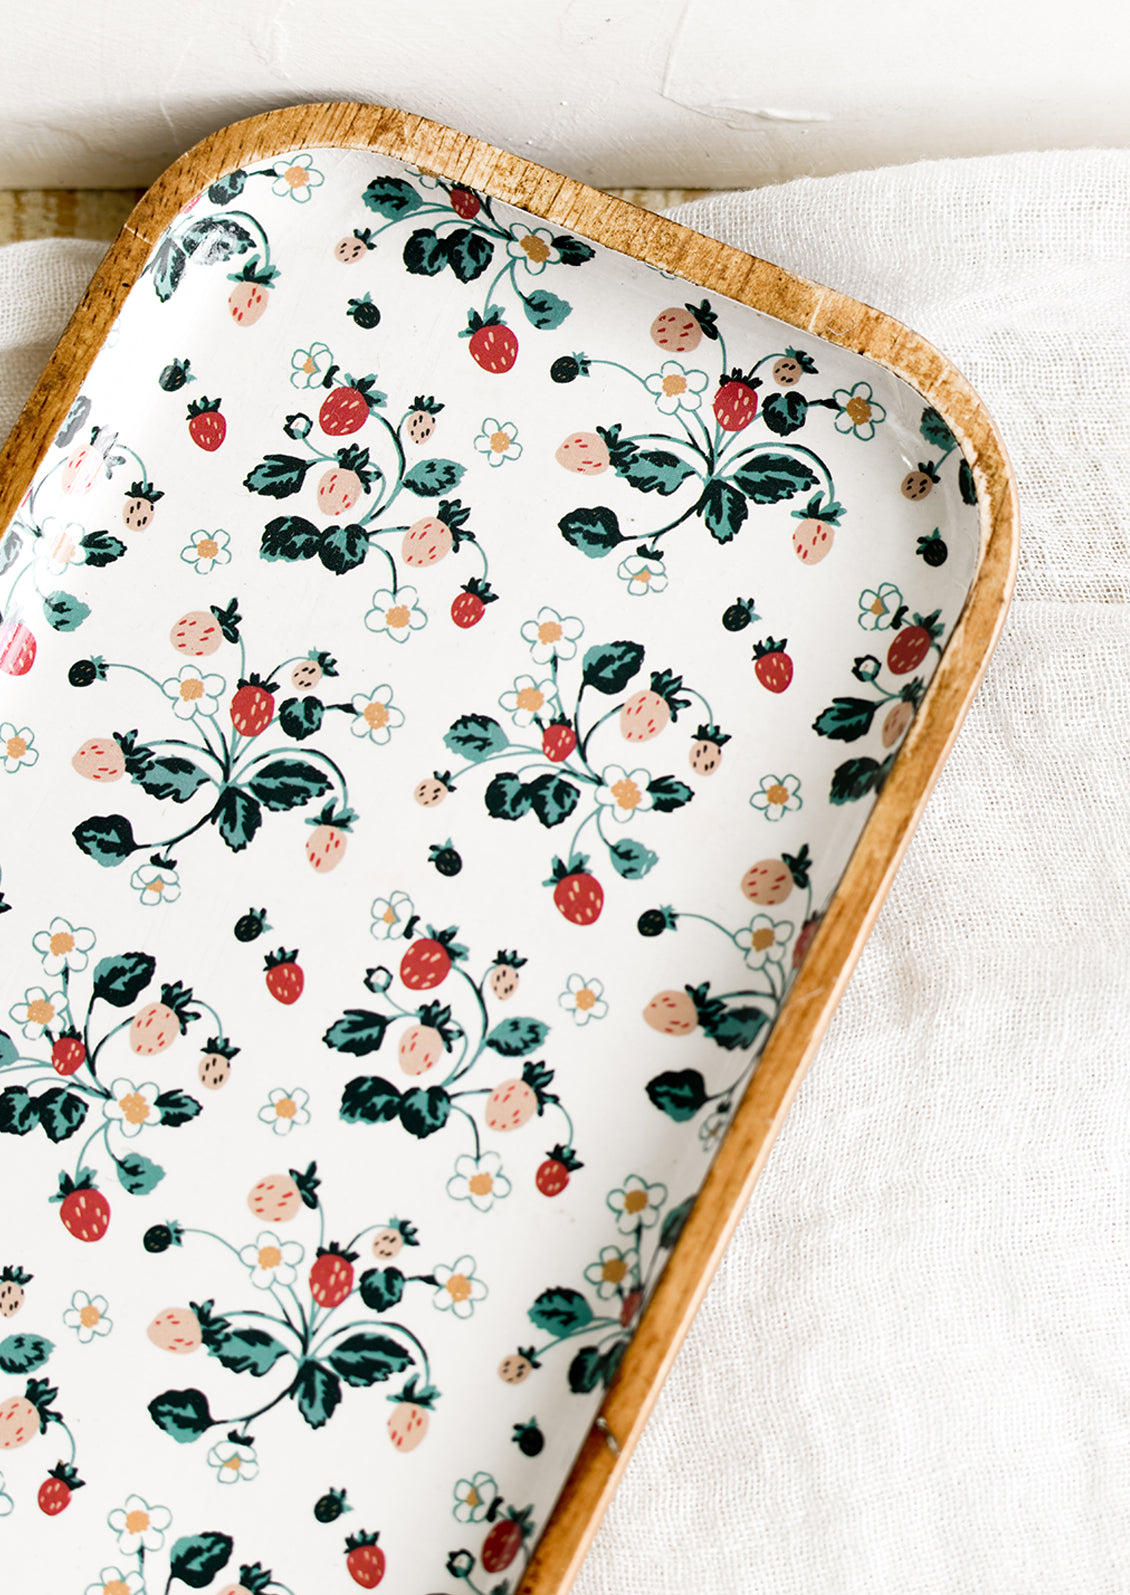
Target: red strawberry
{"x":907,"y":651}
{"x":493,"y":345}
{"x":505,"y":1540}
{"x":331,"y":1277}
{"x":253,"y":707}
{"x":285,"y":979}
{"x":735,"y":403}
{"x":553,"y":1175}
{"x":469,"y":604}
{"x":772,"y":665}
{"x":427,"y":963}
{"x":365,"y":1562}
{"x":17,"y":648}
{"x":68,"y":1053}
{"x":630,"y":1306}
{"x":577,"y":895}
{"x":206,"y":426}
{"x":84,"y":1210}
{"x":558,"y":741}
{"x":344,"y":411}
{"x":56,"y":1490}
{"x":466,"y":203}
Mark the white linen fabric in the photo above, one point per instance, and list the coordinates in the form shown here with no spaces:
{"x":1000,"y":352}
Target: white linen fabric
{"x":912,"y":1372}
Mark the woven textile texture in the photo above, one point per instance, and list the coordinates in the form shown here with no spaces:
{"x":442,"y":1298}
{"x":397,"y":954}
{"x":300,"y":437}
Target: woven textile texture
{"x":912,"y":1373}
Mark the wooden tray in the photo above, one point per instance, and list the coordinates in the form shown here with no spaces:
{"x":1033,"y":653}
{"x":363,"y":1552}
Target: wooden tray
{"x":466,"y":588}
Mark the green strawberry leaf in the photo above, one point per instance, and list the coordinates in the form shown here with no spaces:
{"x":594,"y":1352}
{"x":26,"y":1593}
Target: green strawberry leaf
{"x":369,"y":1100}
{"x":425,"y":253}
{"x":343,"y":548}
{"x":106,"y":838}
{"x":424,"y":1111}
{"x":381,"y":1288}
{"x":251,"y":1351}
{"x":561,"y":1311}
{"x":847,"y":719}
{"x":137,"y":1175}
{"x":669,"y":793}
{"x":476,"y":737}
{"x":121,"y":980}
{"x":177,"y":1108}
{"x":769,"y":478}
{"x":857,"y":778}
{"x":196,"y":1558}
{"x":168,"y":268}
{"x":723,"y":508}
{"x":290,"y":538}
{"x":102,"y":549}
{"x":507,"y":797}
{"x":287,"y":784}
{"x":469,"y":253}
{"x":316,"y":1392}
{"x":679,"y":1093}
{"x":632,"y":860}
{"x":655,"y":471}
{"x":237,"y":816}
{"x":585,"y":1370}
{"x":63,"y":612}
{"x":936,"y":432}
{"x":515,"y":1038}
{"x":785,"y":412}
{"x":61,"y":1112}
{"x":358,"y":1032}
{"x":24,"y":1353}
{"x":277,"y":475}
{"x":553,"y":799}
{"x":610,"y":666}
{"x":18,"y":1113}
{"x":216,"y":238}
{"x":368,"y":1359}
{"x":573,"y":251}
{"x":736,"y":1027}
{"x":172,"y":777}
{"x":391,"y":197}
{"x":432,"y":477}
{"x":544,"y":310}
{"x":595,"y":532}
{"x":674,"y":1224}
{"x":182,"y":1414}
{"x":299,"y":718}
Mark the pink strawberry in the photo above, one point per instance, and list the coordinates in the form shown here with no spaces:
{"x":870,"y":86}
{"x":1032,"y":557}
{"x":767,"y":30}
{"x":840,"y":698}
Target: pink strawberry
{"x":583,"y":452}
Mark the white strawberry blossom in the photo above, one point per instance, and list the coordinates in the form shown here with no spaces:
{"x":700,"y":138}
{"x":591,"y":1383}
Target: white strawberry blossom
{"x":112,"y":1581}
{"x":532,"y":247}
{"x":155,"y":883}
{"x":63,"y":946}
{"x":61,"y":544}
{"x":390,"y":916}
{"x":8,"y":1506}
{"x":877,"y":608}
{"x":474,"y":1498}
{"x":612,"y":1271}
{"x":205,"y":549}
{"x":397,"y":614}
{"x":713,"y":1128}
{"x":233,"y":1461}
{"x":859,"y":413}
{"x":87,"y":1317}
{"x":636,"y":1204}
{"x":777,"y":795}
{"x":498,"y":440}
{"x":37,"y":1011}
{"x":139,"y":1526}
{"x":624,"y":792}
{"x":17,"y":744}
{"x":271,"y":1261}
{"x":457,"y":1288}
{"x":479,"y":1180}
{"x":192,"y":693}
{"x":552,"y":635}
{"x":673,"y":387}
{"x":309,"y":366}
{"x":584,"y":999}
{"x":297,"y":178}
{"x":641,"y":575}
{"x":284,"y":1111}
{"x":527,"y":699}
{"x":764,"y":940}
{"x":134,"y":1107}
{"x":377,"y":716}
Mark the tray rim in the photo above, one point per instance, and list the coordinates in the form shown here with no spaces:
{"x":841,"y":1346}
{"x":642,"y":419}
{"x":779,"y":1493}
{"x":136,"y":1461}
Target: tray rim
{"x":838,"y":943}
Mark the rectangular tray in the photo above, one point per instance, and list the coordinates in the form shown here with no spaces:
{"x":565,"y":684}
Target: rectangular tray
{"x":586,"y":860}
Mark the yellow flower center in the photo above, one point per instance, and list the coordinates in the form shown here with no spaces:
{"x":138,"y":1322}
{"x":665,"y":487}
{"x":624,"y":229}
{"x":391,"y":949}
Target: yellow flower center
{"x":643,"y":575}
{"x":777,"y":793}
{"x":549,"y":631}
{"x":530,"y":698}
{"x":89,"y":1316}
{"x":536,"y":248}
{"x":399,"y":615}
{"x":458,"y":1287}
{"x":626,"y":793}
{"x":309,"y":365}
{"x":61,"y":942}
{"x":17,"y":747}
{"x":286,"y":1108}
{"x":674,"y":384}
{"x":40,"y":1012}
{"x":499,"y":442}
{"x":473,"y":1498}
{"x":116,"y":1586}
{"x":635,"y":1201}
{"x":137,"y":1522}
{"x":859,"y":411}
{"x":613,"y":1271}
{"x":269,"y":1257}
{"x":297,"y":176}
{"x":389,"y":916}
{"x":584,"y":999}
{"x":376,"y":715}
{"x":135,"y":1109}
{"x":191,"y":689}
{"x":156,"y":886}
{"x":207,"y":548}
{"x":761,"y":939}
{"x":878,"y":607}
{"x":234,"y":1463}
{"x":481,"y":1184}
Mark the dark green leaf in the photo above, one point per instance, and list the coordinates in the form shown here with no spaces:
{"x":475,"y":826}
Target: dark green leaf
{"x":18,"y":1112}
{"x":60,"y":1112}
{"x":785,"y":412}
{"x":106,"y":838}
{"x":573,"y":251}
{"x":177,"y":1108}
{"x":595,"y":532}
{"x":609,"y":667}
{"x":277,"y":476}
{"x":227,"y":188}
{"x":63,"y":612}
{"x":515,"y":1038}
{"x":476,"y":737}
{"x":172,"y":776}
{"x":857,"y":778}
{"x":425,"y":253}
{"x":846,"y":720}
{"x":736,"y":1027}
{"x":506,"y":797}
{"x":632,"y":860}
{"x":424,"y":1111}
{"x":431,"y":477}
{"x":656,"y":471}
{"x":369,"y":1100}
{"x":237,"y":816}
{"x":966,"y":484}
{"x":287,"y":784}
{"x":769,"y":478}
{"x":936,"y":432}
{"x":9,"y":1052}
{"x":391,"y":197}
{"x":197,"y":1558}
{"x":358,"y":1031}
{"x":168,"y":268}
{"x":216,"y":238}
{"x":674,"y":1224}
{"x":611,"y":1359}
{"x":343,"y":548}
{"x":289,"y":537}
{"x":553,"y":798}
{"x":137,"y":1174}
{"x":679,"y":1094}
{"x":668,"y":793}
{"x":299,"y":718}
{"x":24,"y":1353}
{"x":545,"y":310}
{"x":102,"y":549}
{"x":121,"y":980}
{"x":560,"y":1311}
{"x":251,"y":1351}
{"x":183,"y":1414}
{"x":316,"y":1393}
{"x":470,"y":253}
{"x":723,"y":509}
{"x":368,"y":1359}
{"x":381,"y":1288}
{"x":585,"y":1370}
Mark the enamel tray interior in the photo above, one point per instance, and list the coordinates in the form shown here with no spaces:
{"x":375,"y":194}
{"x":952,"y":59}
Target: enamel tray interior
{"x":440,"y":698}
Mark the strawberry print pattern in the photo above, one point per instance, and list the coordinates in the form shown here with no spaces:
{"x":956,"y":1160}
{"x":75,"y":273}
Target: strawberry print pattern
{"x":343,"y":529}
